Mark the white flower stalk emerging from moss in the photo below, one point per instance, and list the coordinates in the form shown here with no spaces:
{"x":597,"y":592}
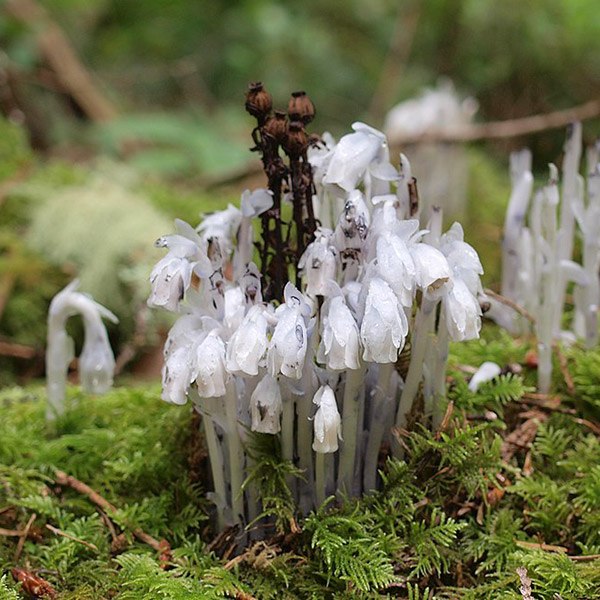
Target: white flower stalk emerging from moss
{"x":96,"y":363}
{"x":253,"y":349}
{"x":537,"y":260}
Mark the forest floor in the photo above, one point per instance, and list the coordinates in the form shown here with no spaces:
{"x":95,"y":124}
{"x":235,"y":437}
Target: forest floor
{"x":504,"y":502}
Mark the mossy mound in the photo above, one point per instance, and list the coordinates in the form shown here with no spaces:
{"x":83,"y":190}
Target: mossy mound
{"x":470,"y":504}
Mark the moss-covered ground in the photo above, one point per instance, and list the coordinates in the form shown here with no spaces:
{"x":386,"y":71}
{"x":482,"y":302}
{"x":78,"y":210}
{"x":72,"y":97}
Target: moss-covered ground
{"x":512,"y":481}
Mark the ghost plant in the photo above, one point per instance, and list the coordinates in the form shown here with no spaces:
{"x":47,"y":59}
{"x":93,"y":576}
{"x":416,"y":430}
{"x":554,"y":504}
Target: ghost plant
{"x":298,"y":333}
{"x":96,"y":361}
{"x":538,"y":252}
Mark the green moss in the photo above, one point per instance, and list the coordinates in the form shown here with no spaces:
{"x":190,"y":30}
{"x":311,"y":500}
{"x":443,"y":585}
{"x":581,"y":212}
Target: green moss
{"x":436,"y":516}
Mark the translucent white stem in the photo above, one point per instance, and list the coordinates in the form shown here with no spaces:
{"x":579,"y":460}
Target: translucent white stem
{"x":424,"y":322}
{"x":320,"y":481}
{"x":551,"y":303}
{"x":354,"y":392}
{"x":287,"y":432}
{"x":439,"y":372}
{"x":379,"y":424}
{"x":236,"y":453}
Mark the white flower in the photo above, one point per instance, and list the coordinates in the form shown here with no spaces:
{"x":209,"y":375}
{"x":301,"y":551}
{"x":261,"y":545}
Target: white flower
{"x":256,"y":202}
{"x":339,"y":345}
{"x":353,"y":223}
{"x":462,"y":258}
{"x":177,"y":376}
{"x":170,"y":279}
{"x":384,"y":325}
{"x":353,"y":155}
{"x":248,"y":344}
{"x":208,"y":366}
{"x":234,"y":309}
{"x":396,"y":266}
{"x":266,"y":406}
{"x":434,"y":276}
{"x":250,"y":284}
{"x":462,"y":311}
{"x":318,"y":263}
{"x":221,"y":225}
{"x":327,"y":424}
{"x":97,"y":361}
{"x":288,"y":344}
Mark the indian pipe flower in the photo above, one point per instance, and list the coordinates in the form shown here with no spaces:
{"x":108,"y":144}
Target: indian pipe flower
{"x":339,"y":347}
{"x":318,"y":263}
{"x":384,"y":325}
{"x":248,"y":344}
{"x":266,"y":406}
{"x":208,"y":366}
{"x":327,"y":423}
{"x":288,"y":345}
{"x":355,"y":153}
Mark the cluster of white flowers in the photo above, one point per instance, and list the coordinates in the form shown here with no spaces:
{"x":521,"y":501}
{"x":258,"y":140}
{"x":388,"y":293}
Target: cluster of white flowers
{"x":319,"y":368}
{"x":538,"y":265}
{"x":96,"y":362}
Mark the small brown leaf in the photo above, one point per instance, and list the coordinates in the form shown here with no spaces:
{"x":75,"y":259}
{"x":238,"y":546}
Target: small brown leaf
{"x":32,"y":584}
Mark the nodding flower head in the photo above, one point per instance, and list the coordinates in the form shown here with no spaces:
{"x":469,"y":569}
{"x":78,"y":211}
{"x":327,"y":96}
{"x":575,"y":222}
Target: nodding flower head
{"x":170,"y":279}
{"x":354,"y":154}
{"x":208,"y":366}
{"x":384,"y":325}
{"x":97,"y":361}
{"x":318,"y":263}
{"x":327,"y":423}
{"x":339,"y":347}
{"x":266,"y":406}
{"x":248,"y":344}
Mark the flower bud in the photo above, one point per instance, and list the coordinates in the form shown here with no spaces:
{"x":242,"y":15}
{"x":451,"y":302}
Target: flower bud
{"x":301,"y":108}
{"x":296,"y":141}
{"x":258,"y":101}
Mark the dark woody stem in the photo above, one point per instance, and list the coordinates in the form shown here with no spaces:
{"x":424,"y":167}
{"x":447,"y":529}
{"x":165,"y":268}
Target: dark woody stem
{"x":271,"y":133}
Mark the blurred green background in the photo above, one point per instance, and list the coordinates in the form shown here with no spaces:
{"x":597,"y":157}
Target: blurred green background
{"x":165,"y":134}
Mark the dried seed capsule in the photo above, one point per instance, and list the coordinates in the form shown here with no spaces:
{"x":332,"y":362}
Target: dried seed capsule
{"x":301,"y":108}
{"x":258,"y":101}
{"x":296,"y":142}
{"x":276,"y":127}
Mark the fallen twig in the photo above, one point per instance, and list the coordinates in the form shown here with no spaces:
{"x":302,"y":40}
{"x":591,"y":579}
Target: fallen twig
{"x":23,"y":537}
{"x":70,"y":481}
{"x":564,"y":369}
{"x":17,"y":350}
{"x":505,"y":129}
{"x":445,"y":420}
{"x":545,"y":547}
{"x":70,"y":537}
{"x":585,"y":557}
{"x":11,"y":532}
{"x":589,"y":424}
{"x":510,"y":303}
